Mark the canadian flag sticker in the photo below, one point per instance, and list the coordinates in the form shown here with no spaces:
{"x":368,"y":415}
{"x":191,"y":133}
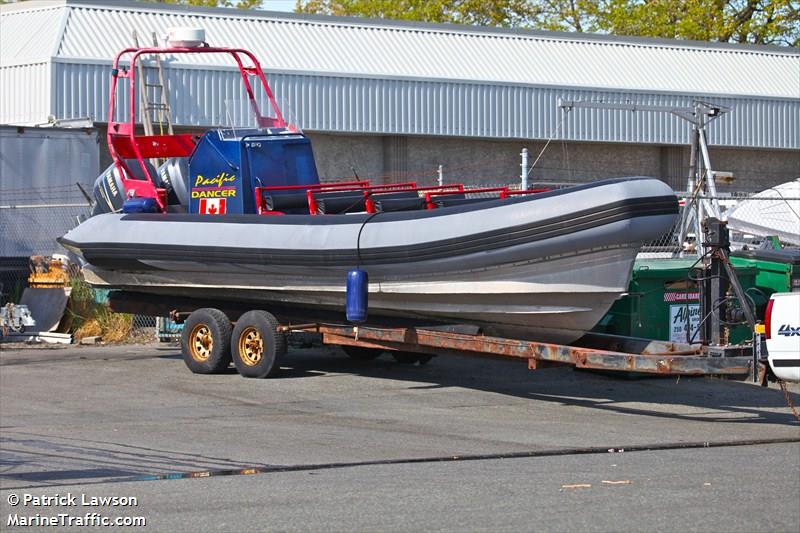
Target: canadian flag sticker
{"x":212,"y":206}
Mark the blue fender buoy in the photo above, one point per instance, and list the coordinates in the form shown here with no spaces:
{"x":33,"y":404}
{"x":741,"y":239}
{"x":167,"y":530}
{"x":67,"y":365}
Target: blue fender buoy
{"x":356,"y":297}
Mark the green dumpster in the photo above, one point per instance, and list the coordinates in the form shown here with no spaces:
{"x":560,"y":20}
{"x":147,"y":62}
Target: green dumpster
{"x":776,"y":270}
{"x":663,"y":300}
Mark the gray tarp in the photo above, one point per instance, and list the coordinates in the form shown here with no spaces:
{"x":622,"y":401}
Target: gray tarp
{"x":39,"y":200}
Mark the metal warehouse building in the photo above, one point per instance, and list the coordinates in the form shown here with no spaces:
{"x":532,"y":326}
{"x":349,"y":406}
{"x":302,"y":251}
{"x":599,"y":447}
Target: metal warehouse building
{"x":396,"y":99}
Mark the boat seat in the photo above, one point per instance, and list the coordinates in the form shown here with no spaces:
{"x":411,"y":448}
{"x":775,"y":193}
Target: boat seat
{"x":288,"y":202}
{"x":401,"y":201}
{"x":399,"y":204}
{"x":340,"y":202}
{"x":449,"y":201}
{"x":350,"y":204}
{"x":394,"y":195}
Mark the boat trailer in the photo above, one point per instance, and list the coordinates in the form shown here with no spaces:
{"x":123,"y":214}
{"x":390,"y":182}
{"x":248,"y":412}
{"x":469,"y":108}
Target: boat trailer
{"x":711,"y":356}
{"x":595,"y":351}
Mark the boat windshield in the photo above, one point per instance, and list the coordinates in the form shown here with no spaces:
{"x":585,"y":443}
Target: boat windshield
{"x":240,"y":114}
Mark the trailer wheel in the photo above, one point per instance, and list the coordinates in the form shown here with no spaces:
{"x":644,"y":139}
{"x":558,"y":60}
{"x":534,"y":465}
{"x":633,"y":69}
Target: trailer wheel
{"x":206,"y":341}
{"x":409,"y":358}
{"x":359,"y":353}
{"x":256,"y":345}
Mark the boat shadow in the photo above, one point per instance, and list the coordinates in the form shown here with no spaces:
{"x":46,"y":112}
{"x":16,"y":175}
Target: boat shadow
{"x":706,"y":399}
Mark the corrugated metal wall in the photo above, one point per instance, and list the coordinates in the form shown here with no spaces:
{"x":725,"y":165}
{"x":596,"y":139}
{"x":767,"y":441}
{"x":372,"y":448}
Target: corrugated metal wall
{"x":25,"y":93}
{"x":414,"y":107}
{"x":402,"y":49}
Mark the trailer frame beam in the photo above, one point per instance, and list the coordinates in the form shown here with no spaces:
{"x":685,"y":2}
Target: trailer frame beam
{"x":537,"y":354}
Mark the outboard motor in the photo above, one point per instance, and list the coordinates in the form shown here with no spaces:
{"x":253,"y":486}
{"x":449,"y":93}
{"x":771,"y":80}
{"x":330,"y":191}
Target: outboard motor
{"x":108,"y":191}
{"x":174,"y":177}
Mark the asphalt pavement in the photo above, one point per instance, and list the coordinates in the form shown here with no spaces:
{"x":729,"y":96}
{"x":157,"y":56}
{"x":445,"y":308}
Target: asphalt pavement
{"x":336,"y":445}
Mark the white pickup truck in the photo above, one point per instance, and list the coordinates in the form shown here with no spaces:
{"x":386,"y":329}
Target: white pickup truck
{"x":782,"y":331}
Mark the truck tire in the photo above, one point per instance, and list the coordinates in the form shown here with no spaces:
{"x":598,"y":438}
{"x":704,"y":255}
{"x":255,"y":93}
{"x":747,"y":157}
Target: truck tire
{"x":359,"y":353}
{"x":257,"y":345}
{"x":206,"y":341}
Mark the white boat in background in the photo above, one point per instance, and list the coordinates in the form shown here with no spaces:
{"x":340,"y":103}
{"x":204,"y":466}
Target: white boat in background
{"x":772,"y":212}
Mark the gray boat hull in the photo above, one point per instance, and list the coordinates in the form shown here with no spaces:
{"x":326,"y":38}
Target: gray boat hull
{"x":546,"y":267}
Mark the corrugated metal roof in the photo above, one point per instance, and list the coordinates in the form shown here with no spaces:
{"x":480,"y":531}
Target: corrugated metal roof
{"x":394,"y":78}
{"x":387,"y":49}
{"x":29,"y":35}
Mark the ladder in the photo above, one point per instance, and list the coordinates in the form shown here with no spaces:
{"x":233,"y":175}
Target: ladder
{"x":158,"y":107}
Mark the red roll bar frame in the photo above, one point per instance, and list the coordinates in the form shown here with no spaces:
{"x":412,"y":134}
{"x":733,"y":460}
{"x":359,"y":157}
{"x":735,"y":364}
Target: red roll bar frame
{"x":123,"y":143}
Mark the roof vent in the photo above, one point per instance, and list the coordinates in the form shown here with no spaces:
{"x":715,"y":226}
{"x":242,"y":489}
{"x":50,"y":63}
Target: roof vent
{"x":186,"y":37}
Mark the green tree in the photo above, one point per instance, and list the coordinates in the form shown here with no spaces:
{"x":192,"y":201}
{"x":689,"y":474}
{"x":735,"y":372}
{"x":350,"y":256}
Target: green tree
{"x":242,"y":4}
{"x":507,"y":13}
{"x":740,"y":21}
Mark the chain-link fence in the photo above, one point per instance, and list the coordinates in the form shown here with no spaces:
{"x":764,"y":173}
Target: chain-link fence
{"x":31,"y":220}
{"x":754,"y":220}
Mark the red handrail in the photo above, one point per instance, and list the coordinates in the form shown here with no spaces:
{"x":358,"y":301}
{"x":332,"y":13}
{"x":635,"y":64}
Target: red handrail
{"x":361,"y":183}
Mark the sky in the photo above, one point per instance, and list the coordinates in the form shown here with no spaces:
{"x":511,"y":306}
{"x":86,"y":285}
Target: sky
{"x":278,"y":5}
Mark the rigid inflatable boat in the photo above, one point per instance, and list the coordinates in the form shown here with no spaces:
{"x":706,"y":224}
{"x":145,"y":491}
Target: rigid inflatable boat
{"x":239,"y":215}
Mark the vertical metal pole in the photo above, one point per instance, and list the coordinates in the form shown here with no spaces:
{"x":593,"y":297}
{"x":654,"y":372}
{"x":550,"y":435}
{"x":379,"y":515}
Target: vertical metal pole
{"x":699,"y":216}
{"x":693,"y":161}
{"x":523,"y":175}
{"x":686,"y":215}
{"x":440,"y":173}
{"x":710,"y":183}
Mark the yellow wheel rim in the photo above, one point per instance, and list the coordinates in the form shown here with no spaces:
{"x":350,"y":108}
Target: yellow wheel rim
{"x":251,"y":346}
{"x":201,"y":342}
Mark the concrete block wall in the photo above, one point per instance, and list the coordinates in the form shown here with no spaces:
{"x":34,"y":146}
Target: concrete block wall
{"x":755,"y":170}
{"x":385,"y":159}
{"x":476,"y":161}
{"x":484,"y":161}
{"x":337,"y":156}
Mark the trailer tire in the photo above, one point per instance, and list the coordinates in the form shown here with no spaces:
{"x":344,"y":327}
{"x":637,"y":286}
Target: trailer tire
{"x":409,"y":358}
{"x":257,"y":345}
{"x":360,"y":353}
{"x":206,"y":341}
